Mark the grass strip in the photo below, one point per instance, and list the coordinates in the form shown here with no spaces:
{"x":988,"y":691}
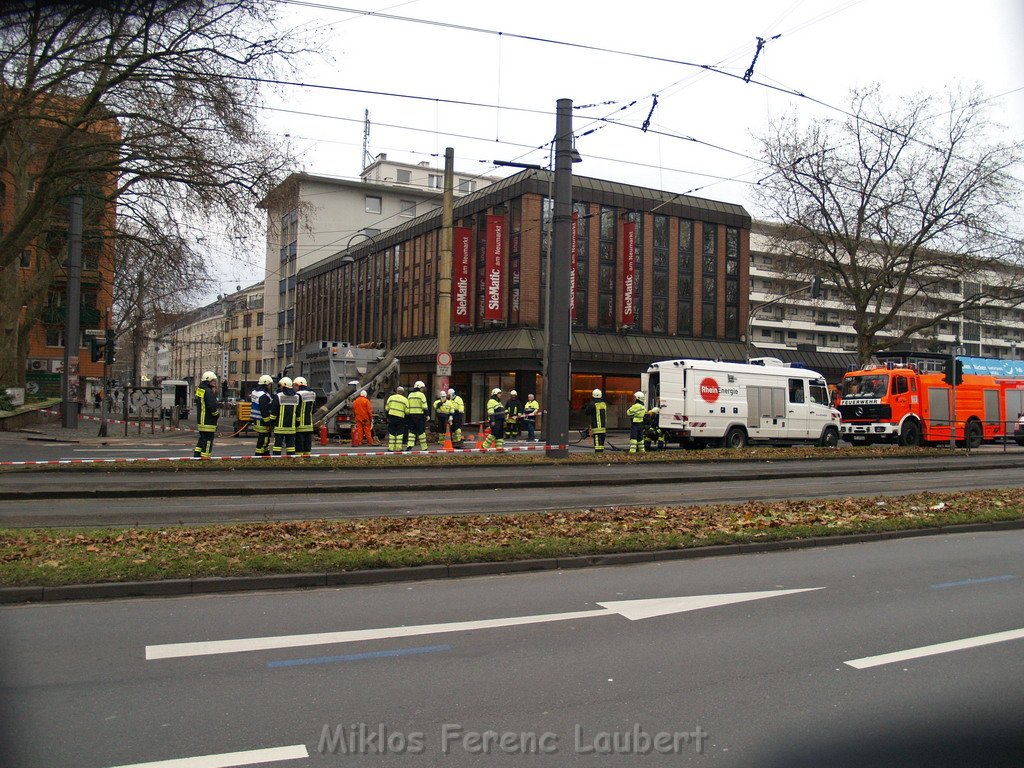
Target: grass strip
{"x":48,"y":557}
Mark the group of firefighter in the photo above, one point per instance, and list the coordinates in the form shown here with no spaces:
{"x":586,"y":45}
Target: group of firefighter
{"x":282,"y":420}
{"x":407,"y":418}
{"x":644,"y":432}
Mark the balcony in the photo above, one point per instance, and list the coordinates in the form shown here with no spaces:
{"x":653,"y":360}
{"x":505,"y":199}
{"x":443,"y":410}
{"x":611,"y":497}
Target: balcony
{"x":88,"y":317}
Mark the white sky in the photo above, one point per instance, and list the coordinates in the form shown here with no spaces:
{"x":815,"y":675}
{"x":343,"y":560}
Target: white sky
{"x":826,"y":48}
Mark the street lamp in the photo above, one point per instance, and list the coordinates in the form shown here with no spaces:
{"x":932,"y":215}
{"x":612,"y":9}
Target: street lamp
{"x":815,"y":287}
{"x":347,"y":259}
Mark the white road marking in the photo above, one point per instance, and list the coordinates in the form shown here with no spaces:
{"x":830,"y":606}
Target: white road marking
{"x":230,"y":759}
{"x":933,"y":650}
{"x":631,"y":609}
{"x":125,"y":450}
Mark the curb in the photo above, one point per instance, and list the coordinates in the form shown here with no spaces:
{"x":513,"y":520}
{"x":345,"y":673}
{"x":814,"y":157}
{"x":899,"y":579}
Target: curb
{"x":219,"y":584}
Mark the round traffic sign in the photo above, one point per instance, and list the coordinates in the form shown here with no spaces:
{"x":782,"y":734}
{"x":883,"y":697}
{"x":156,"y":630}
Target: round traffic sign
{"x":444,"y":358}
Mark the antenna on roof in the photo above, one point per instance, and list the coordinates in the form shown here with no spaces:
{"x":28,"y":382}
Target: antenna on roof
{"x":366,"y":140}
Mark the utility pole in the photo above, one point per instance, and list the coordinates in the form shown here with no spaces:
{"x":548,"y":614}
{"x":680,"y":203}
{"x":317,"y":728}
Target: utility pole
{"x":72,"y":331}
{"x":557,"y":352}
{"x":444,"y":271}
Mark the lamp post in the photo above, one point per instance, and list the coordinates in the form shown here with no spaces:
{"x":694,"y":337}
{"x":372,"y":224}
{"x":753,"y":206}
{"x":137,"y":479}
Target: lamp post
{"x":815,"y":287}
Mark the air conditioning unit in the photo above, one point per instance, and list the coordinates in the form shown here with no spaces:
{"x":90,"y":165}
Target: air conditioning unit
{"x":38,"y":364}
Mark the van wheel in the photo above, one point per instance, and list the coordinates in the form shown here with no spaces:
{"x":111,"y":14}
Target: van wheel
{"x":829,"y":438}
{"x":734,"y":438}
{"x":910,"y":434}
{"x":972,"y":434}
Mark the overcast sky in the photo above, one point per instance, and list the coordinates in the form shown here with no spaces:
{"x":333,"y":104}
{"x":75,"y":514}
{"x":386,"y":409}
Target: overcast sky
{"x":509,"y":85}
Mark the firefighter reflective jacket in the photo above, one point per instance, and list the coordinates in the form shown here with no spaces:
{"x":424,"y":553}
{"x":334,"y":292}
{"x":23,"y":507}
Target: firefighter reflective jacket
{"x":495,"y":409}
{"x":455,"y":405}
{"x":636,"y":413}
{"x":597,"y":410}
{"x":397,"y":405}
{"x":531,"y":409}
{"x":259,"y":410}
{"x":307,"y":399}
{"x":207,"y":407}
{"x":286,"y":411}
{"x":416,"y":403}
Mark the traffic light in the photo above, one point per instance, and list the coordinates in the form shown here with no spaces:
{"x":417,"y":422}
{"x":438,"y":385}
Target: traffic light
{"x":816,"y":288}
{"x":954,"y":372}
{"x":111,"y":345}
{"x":96,"y":348}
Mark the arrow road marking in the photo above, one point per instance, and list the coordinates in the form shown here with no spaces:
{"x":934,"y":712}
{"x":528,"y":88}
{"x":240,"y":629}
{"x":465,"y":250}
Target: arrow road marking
{"x":934,"y":650}
{"x":230,"y":759}
{"x":631,"y":609}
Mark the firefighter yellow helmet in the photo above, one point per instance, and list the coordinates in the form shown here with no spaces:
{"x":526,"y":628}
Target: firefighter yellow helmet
{"x":209,"y":376}
{"x":264,"y":380}
{"x":596,"y":393}
{"x":300,"y":381}
{"x":284,"y":382}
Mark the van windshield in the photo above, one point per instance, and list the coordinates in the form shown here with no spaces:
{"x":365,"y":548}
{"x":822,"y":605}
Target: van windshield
{"x":873,"y":386}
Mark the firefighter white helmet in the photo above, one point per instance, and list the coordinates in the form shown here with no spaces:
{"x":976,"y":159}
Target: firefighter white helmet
{"x":264,"y":380}
{"x":596,"y":393}
{"x":300,"y":381}
{"x":209,"y":376}
{"x":443,"y":395}
{"x":451,"y":393}
{"x":399,"y":389}
{"x":512,"y":392}
{"x":419,"y":385}
{"x":363,"y":393}
{"x":655,"y":410}
{"x":495,"y":391}
{"x":284,"y":381}
{"x":638,"y":395}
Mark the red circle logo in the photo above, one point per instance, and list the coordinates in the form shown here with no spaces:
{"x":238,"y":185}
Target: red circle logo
{"x":709,"y":389}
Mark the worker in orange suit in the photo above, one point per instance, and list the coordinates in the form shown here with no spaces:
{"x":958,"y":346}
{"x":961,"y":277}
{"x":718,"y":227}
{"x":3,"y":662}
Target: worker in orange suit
{"x":363,"y":430}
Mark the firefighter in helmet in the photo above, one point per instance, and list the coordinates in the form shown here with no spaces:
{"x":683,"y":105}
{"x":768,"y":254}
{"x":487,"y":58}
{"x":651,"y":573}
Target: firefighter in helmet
{"x":416,"y":416}
{"x":457,"y":413}
{"x":285,"y":408}
{"x":496,"y":417}
{"x":597,"y":410}
{"x":260,"y":401}
{"x":654,"y":435}
{"x":636,"y":413}
{"x":207,"y":413}
{"x":304,"y":422}
{"x":396,"y":407}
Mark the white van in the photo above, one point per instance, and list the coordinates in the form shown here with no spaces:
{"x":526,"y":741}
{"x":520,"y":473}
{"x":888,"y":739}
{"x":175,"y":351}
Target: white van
{"x":174,"y":399}
{"x":704,"y":402}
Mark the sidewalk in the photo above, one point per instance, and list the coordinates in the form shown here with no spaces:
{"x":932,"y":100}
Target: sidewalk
{"x":48,"y":427}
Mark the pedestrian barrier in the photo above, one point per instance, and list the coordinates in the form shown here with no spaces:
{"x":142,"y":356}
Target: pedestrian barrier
{"x":163,"y":428}
{"x":142,"y":460}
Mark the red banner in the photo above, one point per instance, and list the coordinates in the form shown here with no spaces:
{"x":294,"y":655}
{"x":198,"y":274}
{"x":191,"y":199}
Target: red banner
{"x":494,"y":265}
{"x":628,"y":272}
{"x":462,"y":251}
{"x":573,"y":245}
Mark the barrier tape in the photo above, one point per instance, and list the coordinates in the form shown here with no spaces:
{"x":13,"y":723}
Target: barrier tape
{"x":141,"y":459}
{"x":163,"y":428}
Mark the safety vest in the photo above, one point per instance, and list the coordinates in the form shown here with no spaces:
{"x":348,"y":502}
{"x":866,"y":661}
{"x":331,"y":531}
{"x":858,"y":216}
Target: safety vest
{"x":416,"y":403}
{"x":597,"y":409}
{"x":495,"y":408}
{"x":287,"y":412}
{"x":396,"y":405}
{"x":455,"y":405}
{"x":207,"y":409}
{"x":307,"y":399}
{"x":256,"y":404}
{"x":531,"y":408}
{"x":636,"y":413}
{"x":441,"y":406}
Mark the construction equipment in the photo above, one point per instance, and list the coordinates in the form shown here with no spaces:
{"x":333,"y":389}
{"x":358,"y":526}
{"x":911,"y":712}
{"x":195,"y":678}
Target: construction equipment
{"x":377,"y":379}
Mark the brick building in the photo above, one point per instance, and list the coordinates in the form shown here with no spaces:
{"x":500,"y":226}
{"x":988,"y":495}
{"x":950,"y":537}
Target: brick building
{"x":682,"y":294}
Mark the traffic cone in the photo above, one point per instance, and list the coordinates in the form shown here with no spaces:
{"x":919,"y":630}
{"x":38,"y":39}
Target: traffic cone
{"x":480,"y":437}
{"x":448,"y":439}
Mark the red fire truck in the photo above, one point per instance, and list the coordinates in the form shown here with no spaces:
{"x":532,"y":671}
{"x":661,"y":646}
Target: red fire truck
{"x":912,"y":403}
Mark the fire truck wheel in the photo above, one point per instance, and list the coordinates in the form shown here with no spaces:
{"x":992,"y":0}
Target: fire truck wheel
{"x":734,"y":438}
{"x":972,"y":434}
{"x":829,"y":438}
{"x":910,"y":434}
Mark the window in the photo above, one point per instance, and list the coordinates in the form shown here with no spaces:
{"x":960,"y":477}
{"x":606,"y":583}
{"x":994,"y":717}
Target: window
{"x":247,"y":320}
{"x":246,"y":343}
{"x":659,"y":282}
{"x":709,"y":279}
{"x":796,"y":391}
{"x":408,"y":207}
{"x":466,"y":185}
{"x":234,"y":322}
{"x":259,"y":367}
{"x":684,"y":326}
{"x":259,"y":318}
{"x":403,"y":175}
{"x":373,"y":204}
{"x":899,"y":385}
{"x":259,"y":344}
{"x":434,"y":181}
{"x":582,"y":265}
{"x":819,"y":393}
{"x":732,"y":283}
{"x":233,"y":366}
{"x":606,"y":270}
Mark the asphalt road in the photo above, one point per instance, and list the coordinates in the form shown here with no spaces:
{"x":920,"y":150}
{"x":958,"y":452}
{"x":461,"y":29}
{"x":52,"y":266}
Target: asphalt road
{"x":163,"y":498}
{"x":788,"y":680}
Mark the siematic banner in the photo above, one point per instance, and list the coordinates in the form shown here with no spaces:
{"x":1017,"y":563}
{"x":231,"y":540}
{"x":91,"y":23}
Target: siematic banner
{"x":494,"y":265}
{"x":628,"y":272}
{"x":573,"y":244}
{"x":462,"y":250}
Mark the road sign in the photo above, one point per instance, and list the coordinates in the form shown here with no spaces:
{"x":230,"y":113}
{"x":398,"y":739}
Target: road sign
{"x":444,"y":359}
{"x":444,"y":370}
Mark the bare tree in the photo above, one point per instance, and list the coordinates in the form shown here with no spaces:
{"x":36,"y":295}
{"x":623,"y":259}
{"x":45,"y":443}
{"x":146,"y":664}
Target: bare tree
{"x":147,"y":109}
{"x":905,"y":211}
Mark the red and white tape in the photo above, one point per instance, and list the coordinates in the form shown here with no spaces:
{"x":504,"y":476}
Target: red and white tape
{"x":163,"y":428}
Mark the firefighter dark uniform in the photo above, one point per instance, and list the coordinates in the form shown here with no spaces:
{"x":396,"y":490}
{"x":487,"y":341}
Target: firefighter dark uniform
{"x":513,"y":413}
{"x":654,"y":435}
{"x":260,"y":406}
{"x":636,"y":413}
{"x":496,"y":417}
{"x":286,"y":414}
{"x":395,"y":407}
{"x":304,"y":421}
{"x":457,"y":412}
{"x":416,"y":417}
{"x":207,"y":413}
{"x":597,"y":410}
{"x":441,"y":414}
